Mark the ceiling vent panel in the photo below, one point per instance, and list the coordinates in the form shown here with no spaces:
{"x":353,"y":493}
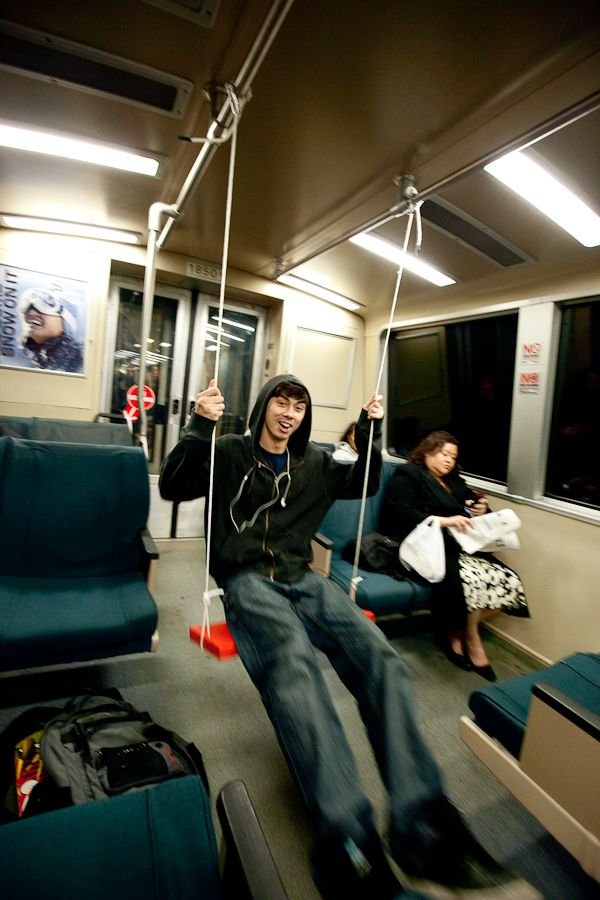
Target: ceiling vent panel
{"x":472,"y":234}
{"x":53,"y":59}
{"x":202,"y":12}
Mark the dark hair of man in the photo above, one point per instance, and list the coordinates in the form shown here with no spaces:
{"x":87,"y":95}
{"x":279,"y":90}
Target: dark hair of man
{"x":292,"y":392}
{"x":431,"y":443}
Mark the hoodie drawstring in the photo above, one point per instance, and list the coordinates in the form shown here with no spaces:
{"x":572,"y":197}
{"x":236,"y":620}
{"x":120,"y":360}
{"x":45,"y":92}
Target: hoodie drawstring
{"x":249,"y":523}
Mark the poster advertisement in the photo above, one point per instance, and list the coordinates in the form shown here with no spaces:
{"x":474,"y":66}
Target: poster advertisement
{"x":43,"y":321}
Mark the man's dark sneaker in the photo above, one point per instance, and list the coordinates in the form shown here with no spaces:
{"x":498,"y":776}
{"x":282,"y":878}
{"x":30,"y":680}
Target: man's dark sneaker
{"x":453,"y":857}
{"x":358,"y":873}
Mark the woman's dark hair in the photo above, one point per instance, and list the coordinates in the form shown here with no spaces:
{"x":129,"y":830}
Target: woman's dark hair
{"x":430,"y":444}
{"x":348,"y":432}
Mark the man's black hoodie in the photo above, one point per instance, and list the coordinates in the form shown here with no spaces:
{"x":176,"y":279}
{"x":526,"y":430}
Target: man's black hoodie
{"x":262,"y":522}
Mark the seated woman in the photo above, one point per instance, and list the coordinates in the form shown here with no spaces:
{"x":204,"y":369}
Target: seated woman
{"x":345,"y":449}
{"x":474,"y":587}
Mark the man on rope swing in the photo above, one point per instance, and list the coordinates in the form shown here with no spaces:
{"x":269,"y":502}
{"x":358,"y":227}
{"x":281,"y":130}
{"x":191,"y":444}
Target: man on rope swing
{"x":271,"y":489}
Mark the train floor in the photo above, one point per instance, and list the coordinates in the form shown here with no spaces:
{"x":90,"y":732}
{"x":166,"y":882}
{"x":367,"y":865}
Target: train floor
{"x":213,"y":703}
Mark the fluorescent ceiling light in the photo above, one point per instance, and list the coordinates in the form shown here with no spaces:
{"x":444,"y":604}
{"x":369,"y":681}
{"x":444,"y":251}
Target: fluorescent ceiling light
{"x":317,"y":291}
{"x":78,"y":229}
{"x":234,"y":324}
{"x":77,"y":149}
{"x":529,"y":179}
{"x":231,"y":337}
{"x":213,"y":347}
{"x":393,"y":252}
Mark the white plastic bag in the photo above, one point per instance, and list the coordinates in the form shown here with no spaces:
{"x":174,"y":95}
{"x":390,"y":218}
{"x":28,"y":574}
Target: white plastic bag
{"x":492,"y":531}
{"x":423,"y":550}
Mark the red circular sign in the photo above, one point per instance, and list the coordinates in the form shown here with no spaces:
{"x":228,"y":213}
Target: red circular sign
{"x":149,"y":397}
{"x":132,"y":411}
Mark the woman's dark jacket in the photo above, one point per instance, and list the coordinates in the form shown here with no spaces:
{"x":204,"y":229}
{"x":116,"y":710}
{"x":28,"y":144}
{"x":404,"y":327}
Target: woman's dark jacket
{"x":262,"y":522}
{"x":412,"y":495}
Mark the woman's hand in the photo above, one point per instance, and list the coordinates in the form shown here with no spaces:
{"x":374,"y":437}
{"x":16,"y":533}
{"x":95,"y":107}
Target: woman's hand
{"x":479,"y":506}
{"x":460,"y":522}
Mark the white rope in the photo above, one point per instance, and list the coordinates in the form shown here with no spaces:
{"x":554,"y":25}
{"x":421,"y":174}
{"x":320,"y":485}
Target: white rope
{"x":413,"y":210}
{"x":217,"y":592}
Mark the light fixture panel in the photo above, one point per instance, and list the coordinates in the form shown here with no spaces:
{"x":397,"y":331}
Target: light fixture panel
{"x":534,"y":183}
{"x":73,"y":229}
{"x":78,"y":149}
{"x":319,"y":291}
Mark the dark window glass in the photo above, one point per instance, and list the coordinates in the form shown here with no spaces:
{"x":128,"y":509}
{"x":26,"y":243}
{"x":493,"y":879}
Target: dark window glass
{"x":459,"y":378}
{"x":574,"y":458}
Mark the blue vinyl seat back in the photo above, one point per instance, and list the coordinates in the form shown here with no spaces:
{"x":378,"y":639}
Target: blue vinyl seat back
{"x":72,"y":565}
{"x":341,"y":521}
{"x":379,"y":593}
{"x":158,"y":844}
{"x":502,"y":709}
{"x":71,"y":510}
{"x":71,"y":431}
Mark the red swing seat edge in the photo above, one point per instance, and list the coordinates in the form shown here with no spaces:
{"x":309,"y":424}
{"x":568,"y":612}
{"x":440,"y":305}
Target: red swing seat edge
{"x":220,"y":642}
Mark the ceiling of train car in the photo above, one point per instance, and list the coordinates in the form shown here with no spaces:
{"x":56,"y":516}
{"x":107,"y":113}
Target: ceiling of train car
{"x":349,"y":97}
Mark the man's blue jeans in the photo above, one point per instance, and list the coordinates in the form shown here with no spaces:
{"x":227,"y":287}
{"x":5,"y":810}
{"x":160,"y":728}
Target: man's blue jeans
{"x":276,"y":629}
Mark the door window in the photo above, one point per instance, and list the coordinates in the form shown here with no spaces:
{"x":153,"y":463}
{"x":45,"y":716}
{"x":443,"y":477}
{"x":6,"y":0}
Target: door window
{"x":164,"y":370}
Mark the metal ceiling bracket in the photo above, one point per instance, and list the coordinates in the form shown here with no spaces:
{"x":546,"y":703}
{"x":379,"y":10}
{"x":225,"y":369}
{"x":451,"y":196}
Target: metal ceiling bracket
{"x":215,"y":94}
{"x":407,"y":192}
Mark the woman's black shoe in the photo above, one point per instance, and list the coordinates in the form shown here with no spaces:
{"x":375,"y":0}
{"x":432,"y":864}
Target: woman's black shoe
{"x":457,"y":659}
{"x":485,"y":671}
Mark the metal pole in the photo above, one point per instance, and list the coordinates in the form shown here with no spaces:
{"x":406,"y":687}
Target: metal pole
{"x":154,"y":215}
{"x":256,"y":54}
{"x":262,"y":42}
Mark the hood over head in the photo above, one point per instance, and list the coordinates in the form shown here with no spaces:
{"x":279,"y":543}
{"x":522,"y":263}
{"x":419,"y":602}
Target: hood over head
{"x":300,"y":438}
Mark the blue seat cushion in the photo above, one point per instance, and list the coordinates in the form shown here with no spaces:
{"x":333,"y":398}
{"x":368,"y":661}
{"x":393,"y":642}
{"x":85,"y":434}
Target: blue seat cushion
{"x":381,"y":593}
{"x":45,"y":620}
{"x":501,"y":710}
{"x":158,"y":844}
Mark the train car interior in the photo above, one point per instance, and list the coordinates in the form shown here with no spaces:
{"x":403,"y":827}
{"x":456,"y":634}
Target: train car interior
{"x":391,"y":197}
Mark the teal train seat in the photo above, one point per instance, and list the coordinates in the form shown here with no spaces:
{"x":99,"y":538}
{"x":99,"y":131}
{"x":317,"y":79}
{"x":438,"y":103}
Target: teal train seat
{"x":382,"y":594}
{"x":76,"y":563}
{"x":539,"y":734}
{"x":73,"y":431}
{"x":158,"y":843}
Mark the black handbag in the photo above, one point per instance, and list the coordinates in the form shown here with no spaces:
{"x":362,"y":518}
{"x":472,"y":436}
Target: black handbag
{"x":378,"y":553}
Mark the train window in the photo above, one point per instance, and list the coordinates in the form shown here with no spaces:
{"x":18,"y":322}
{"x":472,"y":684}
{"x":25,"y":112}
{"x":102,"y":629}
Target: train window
{"x":458,"y":377}
{"x":573,"y":472}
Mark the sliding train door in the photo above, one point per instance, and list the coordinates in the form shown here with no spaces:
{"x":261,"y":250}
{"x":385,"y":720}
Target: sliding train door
{"x":165,"y":362}
{"x":241,"y":354}
{"x":180,"y":361}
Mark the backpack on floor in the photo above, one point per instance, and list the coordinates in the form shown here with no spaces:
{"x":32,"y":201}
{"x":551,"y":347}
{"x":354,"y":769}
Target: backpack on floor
{"x":24,"y":787}
{"x":98,"y":746}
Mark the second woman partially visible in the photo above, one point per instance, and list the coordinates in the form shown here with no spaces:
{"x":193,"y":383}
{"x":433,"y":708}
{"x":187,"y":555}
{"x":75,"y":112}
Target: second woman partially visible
{"x":474,"y":587}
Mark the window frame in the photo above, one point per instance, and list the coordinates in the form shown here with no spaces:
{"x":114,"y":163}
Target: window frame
{"x":539,"y":320}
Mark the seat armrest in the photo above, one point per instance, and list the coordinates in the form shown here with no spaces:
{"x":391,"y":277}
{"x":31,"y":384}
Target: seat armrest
{"x":249,"y":871}
{"x":561,"y":753}
{"x":583,"y":718}
{"x":150,"y":558}
{"x":150,"y":548}
{"x":322,"y":548}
